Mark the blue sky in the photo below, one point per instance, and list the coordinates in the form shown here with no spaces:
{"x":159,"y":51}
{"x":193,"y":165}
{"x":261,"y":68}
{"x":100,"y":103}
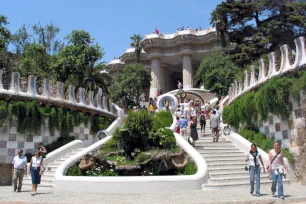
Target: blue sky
{"x":110,"y":22}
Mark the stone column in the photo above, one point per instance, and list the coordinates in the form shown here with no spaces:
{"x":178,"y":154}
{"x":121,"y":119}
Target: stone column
{"x":164,"y":77}
{"x":155,"y":73}
{"x":187,"y":68}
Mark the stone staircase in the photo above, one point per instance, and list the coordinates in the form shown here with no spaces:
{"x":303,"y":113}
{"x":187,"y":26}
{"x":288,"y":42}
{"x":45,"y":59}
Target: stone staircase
{"x":225,"y":162}
{"x":47,"y":179}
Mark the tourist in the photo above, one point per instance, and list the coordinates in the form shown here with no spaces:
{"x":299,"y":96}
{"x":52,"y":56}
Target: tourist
{"x":151,"y":107}
{"x":19,"y":166}
{"x":183,"y":125}
{"x":193,"y":130}
{"x":188,"y":28}
{"x":205,"y":107}
{"x":36,"y":169}
{"x":178,"y":111}
{"x":277,"y":169}
{"x":200,"y":28}
{"x":254,"y":168}
{"x":177,"y":127}
{"x":134,"y":109}
{"x":144,"y":108}
{"x":156,"y":31}
{"x":202,"y":121}
{"x":197,"y":29}
{"x":42,"y":150}
{"x":214,"y":125}
{"x":177,"y":30}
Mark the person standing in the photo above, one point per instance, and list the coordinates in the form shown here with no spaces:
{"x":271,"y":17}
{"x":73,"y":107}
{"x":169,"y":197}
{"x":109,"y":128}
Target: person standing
{"x":183,"y":126}
{"x":36,"y":169}
{"x":177,"y":127}
{"x":202,"y":122}
{"x":19,"y":167}
{"x":254,"y":168}
{"x":193,"y":130}
{"x":277,"y":169}
{"x":214,"y":125}
{"x":42,"y":150}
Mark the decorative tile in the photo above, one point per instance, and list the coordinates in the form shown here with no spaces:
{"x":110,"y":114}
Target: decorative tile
{"x":4,"y":130}
{"x":86,"y":137}
{"x":277,"y":127}
{"x":20,"y":138}
{"x":291,"y":124}
{"x":86,"y":130}
{"x":285,"y":134}
{"x":37,"y":139}
{"x":12,"y":137}
{"x":270,"y":120}
{"x":298,"y":113}
{"x":260,"y":123}
{"x":272,"y":128}
{"x":262,"y":130}
{"x":278,"y":136}
{"x":76,"y":130}
{"x":2,"y":159}
{"x":29,"y":151}
{"x":45,"y":140}
{"x":3,"y":144}
{"x":81,"y":137}
{"x":300,"y":123}
{"x":29,"y":138}
{"x":11,"y":152}
{"x":20,"y":145}
{"x":76,"y":136}
{"x":276,"y":119}
{"x":266,"y":130}
{"x":82,"y":130}
{"x":272,"y":136}
{"x":13,"y":130}
{"x":29,"y":145}
{"x":9,"y":159}
{"x":3,"y":151}
{"x":12,"y":144}
{"x":285,"y":143}
{"x":284,"y":125}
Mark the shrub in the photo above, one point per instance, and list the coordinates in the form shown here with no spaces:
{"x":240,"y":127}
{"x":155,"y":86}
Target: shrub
{"x":141,"y":157}
{"x":189,"y":169}
{"x":157,"y":124}
{"x":165,"y":117}
{"x":115,"y":141}
{"x":73,"y":171}
{"x":61,"y":141}
{"x":166,"y":138}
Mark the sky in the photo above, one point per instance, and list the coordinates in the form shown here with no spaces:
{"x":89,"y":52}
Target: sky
{"x":110,"y":22}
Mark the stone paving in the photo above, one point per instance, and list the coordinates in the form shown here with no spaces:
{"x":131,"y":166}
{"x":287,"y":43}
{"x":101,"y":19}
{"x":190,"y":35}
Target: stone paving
{"x":295,"y":193}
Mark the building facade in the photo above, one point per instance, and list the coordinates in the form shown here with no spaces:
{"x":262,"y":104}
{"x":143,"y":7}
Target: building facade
{"x":171,"y":57}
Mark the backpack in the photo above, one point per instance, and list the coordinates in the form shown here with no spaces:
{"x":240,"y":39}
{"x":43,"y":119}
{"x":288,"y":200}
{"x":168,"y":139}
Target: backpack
{"x":202,"y":118}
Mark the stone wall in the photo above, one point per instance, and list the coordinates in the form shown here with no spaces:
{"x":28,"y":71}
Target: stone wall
{"x":5,"y":174}
{"x":301,"y":157}
{"x":11,"y":140}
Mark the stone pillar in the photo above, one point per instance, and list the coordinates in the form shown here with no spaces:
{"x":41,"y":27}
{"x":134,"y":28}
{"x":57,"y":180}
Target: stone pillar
{"x":164,"y":77}
{"x":187,"y":68}
{"x":155,"y":73}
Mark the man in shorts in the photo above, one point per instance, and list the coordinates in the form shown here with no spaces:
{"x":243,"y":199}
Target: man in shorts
{"x":214,"y":125}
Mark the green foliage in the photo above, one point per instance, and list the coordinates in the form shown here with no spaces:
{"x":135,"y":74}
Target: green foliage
{"x":5,"y":34}
{"x":31,"y":116}
{"x":217,"y":72}
{"x":115,"y":141}
{"x":273,"y":98}
{"x":165,"y":118}
{"x":157,"y":124}
{"x":101,"y":172}
{"x":166,"y":138}
{"x":137,"y":44}
{"x":253,"y":28}
{"x":129,"y":84}
{"x":61,"y":141}
{"x":141,"y":157}
{"x":73,"y":171}
{"x":189,"y":169}
{"x":264,"y":143}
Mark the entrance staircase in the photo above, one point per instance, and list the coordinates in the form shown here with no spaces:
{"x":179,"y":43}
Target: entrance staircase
{"x":47,"y":179}
{"x":225,"y":162}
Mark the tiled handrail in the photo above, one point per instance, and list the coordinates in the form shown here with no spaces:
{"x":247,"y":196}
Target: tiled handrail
{"x":250,"y":80}
{"x":97,"y":104}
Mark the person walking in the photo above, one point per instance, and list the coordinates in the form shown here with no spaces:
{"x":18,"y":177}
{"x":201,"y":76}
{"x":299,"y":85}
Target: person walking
{"x":214,"y":125}
{"x":193,"y":130}
{"x":277,"y":169}
{"x":254,"y":168}
{"x":19,"y":167}
{"x":42,"y":150}
{"x":36,"y":169}
{"x":177,"y":127}
{"x":183,"y":126}
{"x":202,"y":122}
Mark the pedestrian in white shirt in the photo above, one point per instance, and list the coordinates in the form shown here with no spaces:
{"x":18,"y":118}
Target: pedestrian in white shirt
{"x":19,"y":166}
{"x":36,"y":168}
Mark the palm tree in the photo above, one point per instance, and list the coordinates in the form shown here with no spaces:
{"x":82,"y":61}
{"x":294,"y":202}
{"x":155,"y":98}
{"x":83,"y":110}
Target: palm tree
{"x":137,"y":44}
{"x":94,"y":77}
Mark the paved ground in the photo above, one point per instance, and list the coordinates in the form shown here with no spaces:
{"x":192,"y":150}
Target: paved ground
{"x":295,"y":194}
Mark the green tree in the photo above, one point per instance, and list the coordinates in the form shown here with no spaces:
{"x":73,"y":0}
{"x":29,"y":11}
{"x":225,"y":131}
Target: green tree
{"x":21,"y":39}
{"x":257,"y":27}
{"x":217,"y":72}
{"x":5,"y":34}
{"x":79,"y":55}
{"x":129,"y":84}
{"x":137,"y":44}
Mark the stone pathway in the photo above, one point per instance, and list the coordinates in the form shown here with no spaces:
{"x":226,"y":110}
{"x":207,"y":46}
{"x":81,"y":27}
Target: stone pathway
{"x":295,"y":194}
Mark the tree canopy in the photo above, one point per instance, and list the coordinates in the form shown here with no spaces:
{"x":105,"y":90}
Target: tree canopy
{"x":4,"y":33}
{"x":257,"y":27}
{"x":137,"y":44}
{"x":217,"y":72}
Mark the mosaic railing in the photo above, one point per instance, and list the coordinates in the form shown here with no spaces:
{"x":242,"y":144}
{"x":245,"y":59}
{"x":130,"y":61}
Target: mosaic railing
{"x":50,"y":94}
{"x":279,"y":64}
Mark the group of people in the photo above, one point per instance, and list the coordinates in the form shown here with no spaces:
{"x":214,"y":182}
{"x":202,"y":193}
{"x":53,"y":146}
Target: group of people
{"x":187,"y":120}
{"x":152,"y":107}
{"x":188,"y":28}
{"x":277,"y":169}
{"x":20,"y":168}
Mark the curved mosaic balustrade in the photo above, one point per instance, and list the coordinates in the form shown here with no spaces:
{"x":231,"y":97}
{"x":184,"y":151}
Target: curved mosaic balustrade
{"x":278,"y":65}
{"x":54,"y":95}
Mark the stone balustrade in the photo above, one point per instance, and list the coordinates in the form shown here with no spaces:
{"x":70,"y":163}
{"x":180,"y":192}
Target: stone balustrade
{"x":54,"y":95}
{"x":287,"y":62}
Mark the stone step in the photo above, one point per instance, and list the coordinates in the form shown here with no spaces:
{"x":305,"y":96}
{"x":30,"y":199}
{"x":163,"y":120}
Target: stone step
{"x":52,"y":165}
{"x":222,"y":156}
{"x":225,"y":169}
{"x":219,"y":148}
{"x":43,"y":179}
{"x":42,"y":183}
{"x":225,"y":161}
{"x":224,"y":180}
{"x":237,"y":184}
{"x":216,"y":151}
{"x":215,"y":144}
{"x":65,"y":157}
{"x":230,"y":165}
{"x":233,"y":174}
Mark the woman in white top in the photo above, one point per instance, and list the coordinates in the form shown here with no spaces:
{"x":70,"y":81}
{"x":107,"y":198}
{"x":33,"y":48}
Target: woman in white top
{"x":277,"y":169}
{"x":254,"y":168}
{"x":36,"y":168}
